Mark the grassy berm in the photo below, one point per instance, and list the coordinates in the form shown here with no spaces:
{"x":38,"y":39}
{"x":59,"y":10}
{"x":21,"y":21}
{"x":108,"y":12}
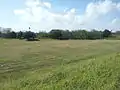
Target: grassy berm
{"x":60,"y":65}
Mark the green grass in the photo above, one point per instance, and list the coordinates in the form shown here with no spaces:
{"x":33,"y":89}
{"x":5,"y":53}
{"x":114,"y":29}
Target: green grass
{"x":60,"y":65}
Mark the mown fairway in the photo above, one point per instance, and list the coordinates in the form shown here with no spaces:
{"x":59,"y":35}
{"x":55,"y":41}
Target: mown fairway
{"x":60,"y":65}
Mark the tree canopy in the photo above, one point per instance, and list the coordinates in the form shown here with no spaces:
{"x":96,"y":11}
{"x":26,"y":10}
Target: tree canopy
{"x":59,"y":34}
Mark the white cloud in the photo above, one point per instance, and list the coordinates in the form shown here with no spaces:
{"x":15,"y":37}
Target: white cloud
{"x":114,"y":24}
{"x":32,"y":3}
{"x":100,"y":8}
{"x":38,"y":15}
{"x":66,"y":9}
{"x":47,"y":4}
{"x":116,"y":21}
{"x":18,"y":12}
{"x":118,"y":6}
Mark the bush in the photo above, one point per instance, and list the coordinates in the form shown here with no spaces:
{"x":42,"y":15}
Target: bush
{"x":106,"y":33}
{"x":30,"y":36}
{"x":56,"y":34}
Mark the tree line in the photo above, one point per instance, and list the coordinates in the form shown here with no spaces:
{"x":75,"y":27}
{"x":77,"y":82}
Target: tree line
{"x":77,"y":34}
{"x":59,"y":34}
{"x":28,"y":35}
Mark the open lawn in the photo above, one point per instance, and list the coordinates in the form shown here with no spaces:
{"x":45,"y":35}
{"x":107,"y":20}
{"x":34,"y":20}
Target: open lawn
{"x":60,"y":65}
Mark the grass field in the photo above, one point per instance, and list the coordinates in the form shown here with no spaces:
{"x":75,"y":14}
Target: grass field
{"x":60,"y":65}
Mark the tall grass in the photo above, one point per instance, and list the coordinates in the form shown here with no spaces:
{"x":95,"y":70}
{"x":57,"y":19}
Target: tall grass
{"x":60,"y":65}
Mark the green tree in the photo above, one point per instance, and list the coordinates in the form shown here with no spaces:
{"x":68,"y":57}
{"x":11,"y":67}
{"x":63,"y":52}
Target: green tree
{"x":0,"y":33}
{"x":12,"y":34}
{"x":20,"y":35}
{"x":94,"y":34}
{"x":43,"y":35}
{"x":79,"y":34}
{"x":55,"y":34}
{"x":65,"y":35}
{"x":30,"y":36}
{"x":106,"y":33}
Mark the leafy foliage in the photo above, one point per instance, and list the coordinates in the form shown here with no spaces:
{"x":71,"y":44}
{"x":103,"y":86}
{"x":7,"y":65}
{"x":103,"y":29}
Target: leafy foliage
{"x":106,"y":33}
{"x":78,"y":34}
{"x":43,"y":35}
{"x":61,"y":34}
{"x":94,"y":34}
{"x":29,"y":35}
{"x":20,"y":35}
{"x":56,"y":34}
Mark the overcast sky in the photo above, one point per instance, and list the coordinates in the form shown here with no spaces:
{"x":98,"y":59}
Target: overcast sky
{"x":63,"y":14}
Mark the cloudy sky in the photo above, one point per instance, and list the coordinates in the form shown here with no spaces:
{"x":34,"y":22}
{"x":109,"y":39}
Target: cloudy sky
{"x":63,"y":14}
